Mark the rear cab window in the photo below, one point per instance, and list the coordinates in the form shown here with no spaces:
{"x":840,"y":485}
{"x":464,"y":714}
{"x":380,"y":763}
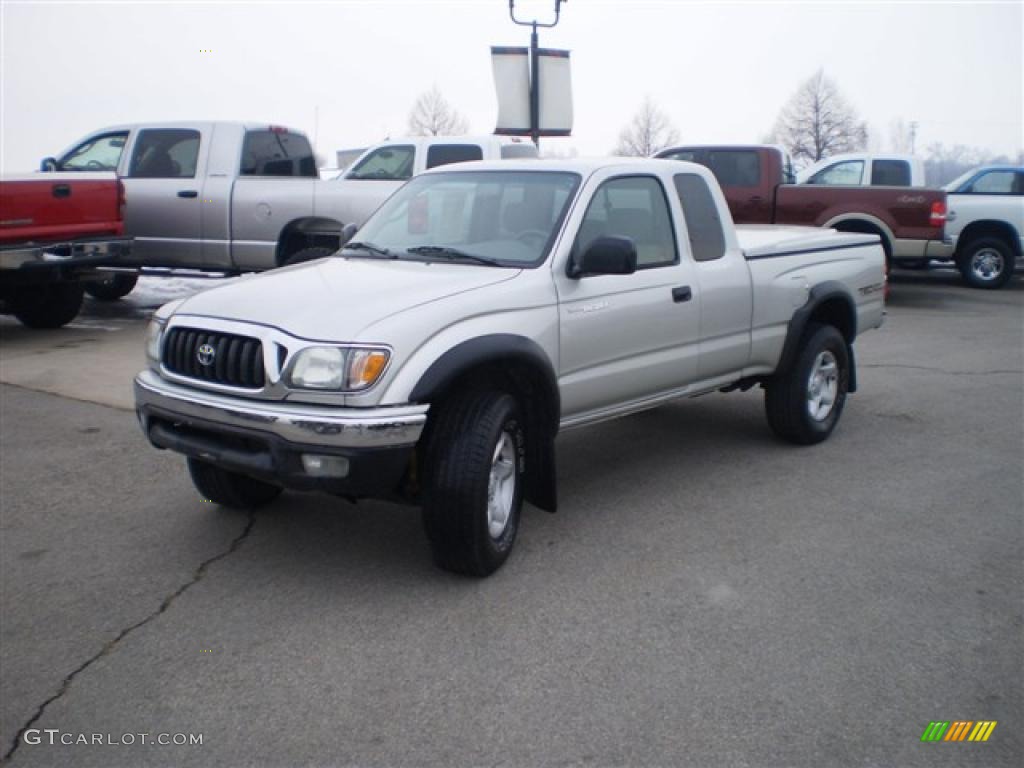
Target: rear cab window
{"x":275,"y":152}
{"x":445,"y":154}
{"x":165,"y":153}
{"x":703,"y":224}
{"x":994,"y":183}
{"x":392,"y":163}
{"x":890,"y":173}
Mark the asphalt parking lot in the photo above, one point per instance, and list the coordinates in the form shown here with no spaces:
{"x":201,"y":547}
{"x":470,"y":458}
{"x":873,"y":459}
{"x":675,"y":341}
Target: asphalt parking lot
{"x":705,"y":596}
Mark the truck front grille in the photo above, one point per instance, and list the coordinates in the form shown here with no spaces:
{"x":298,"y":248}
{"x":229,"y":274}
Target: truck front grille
{"x":221,"y":358}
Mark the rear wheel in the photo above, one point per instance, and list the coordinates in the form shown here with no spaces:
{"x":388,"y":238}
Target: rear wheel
{"x":48,"y":306}
{"x":804,"y":403}
{"x":986,"y":262}
{"x":112,"y":287}
{"x":230,"y":489}
{"x":474,"y":492}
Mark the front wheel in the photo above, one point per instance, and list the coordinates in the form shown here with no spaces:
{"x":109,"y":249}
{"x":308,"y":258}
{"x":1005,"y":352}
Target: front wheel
{"x":986,"y":263}
{"x":230,"y":489}
{"x":803,"y":404}
{"x":474,"y":482}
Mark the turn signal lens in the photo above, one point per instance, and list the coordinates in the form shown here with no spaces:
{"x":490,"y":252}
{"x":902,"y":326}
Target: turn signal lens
{"x":365,"y":366}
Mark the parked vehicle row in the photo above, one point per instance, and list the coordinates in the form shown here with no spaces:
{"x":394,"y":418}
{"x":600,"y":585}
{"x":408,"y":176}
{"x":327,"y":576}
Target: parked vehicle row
{"x":485,"y":306}
{"x":238,"y":197}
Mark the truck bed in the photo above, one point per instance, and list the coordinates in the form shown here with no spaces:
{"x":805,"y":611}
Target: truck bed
{"x":52,"y":207}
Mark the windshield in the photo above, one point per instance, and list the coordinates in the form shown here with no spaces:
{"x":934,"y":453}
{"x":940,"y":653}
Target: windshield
{"x":508,"y":218}
{"x":960,"y":180}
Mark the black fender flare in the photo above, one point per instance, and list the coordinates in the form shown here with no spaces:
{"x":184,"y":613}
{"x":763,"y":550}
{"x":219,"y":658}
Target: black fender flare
{"x":542,"y":413}
{"x":830,"y":290}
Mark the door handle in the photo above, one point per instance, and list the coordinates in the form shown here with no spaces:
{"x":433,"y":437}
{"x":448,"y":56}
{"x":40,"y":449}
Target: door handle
{"x":756,"y":199}
{"x":681,"y":293}
{"x":188,"y":193}
{"x":62,"y":190}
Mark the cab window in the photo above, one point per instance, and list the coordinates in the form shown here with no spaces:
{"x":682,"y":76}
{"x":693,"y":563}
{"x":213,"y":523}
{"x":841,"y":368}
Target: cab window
{"x":444,"y":154}
{"x":993,"y":183}
{"x":703,"y":224}
{"x":165,"y":153}
{"x":385,"y":163}
{"x":633,"y":207}
{"x":890,"y":173}
{"x":101,"y":153}
{"x":847,"y":173}
{"x":275,"y":152}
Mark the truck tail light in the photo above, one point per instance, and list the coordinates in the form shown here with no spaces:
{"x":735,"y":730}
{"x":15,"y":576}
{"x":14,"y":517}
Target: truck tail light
{"x":938,"y":215}
{"x":122,"y":200}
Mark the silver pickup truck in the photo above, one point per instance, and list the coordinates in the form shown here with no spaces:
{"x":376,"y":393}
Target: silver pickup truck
{"x":481,"y":309}
{"x":245,"y":197}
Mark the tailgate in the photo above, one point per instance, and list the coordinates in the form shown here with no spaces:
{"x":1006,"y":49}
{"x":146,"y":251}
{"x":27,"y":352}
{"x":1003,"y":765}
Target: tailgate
{"x":59,"y":206}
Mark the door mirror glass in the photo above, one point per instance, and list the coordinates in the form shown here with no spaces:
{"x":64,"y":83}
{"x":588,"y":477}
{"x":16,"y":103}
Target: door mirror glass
{"x":607,"y":256}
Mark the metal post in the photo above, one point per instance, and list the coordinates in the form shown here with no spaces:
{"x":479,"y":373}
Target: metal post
{"x":534,"y":65}
{"x":534,"y":90}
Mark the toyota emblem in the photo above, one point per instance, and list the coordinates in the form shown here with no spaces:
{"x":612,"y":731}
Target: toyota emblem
{"x":205,"y":354}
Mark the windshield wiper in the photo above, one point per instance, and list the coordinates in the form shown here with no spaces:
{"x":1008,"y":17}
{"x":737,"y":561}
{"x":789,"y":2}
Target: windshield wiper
{"x":370,"y":248}
{"x":451,"y":253}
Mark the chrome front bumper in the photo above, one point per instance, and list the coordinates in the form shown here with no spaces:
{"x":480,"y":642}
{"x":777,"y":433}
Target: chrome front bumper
{"x":299,"y":424}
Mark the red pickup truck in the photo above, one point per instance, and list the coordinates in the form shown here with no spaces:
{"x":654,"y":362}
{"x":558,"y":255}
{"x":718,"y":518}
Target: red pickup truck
{"x":757,"y":181}
{"x":55,"y":230}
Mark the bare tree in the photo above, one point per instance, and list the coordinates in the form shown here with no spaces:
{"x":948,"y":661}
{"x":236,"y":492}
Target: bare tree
{"x":817,"y":122}
{"x":649,"y":131}
{"x":432,"y":115}
{"x":902,"y":136}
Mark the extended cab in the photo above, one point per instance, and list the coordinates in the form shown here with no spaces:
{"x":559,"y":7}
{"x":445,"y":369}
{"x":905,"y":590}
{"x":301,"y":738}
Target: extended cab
{"x":756,"y":182}
{"x":55,"y":230}
{"x":240,"y":197}
{"x":985,"y":224}
{"x":484,"y":307}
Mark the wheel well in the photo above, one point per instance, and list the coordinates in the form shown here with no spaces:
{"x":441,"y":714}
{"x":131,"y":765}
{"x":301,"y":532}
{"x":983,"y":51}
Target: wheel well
{"x":865,"y":228}
{"x":308,"y":233}
{"x":836,"y":312}
{"x":997,"y":229}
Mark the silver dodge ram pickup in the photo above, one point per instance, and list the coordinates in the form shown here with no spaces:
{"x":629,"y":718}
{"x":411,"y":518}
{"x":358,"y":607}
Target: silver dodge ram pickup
{"x":481,"y":309}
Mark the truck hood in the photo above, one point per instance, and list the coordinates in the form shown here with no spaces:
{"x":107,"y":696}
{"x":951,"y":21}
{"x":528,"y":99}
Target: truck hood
{"x":334,"y":299}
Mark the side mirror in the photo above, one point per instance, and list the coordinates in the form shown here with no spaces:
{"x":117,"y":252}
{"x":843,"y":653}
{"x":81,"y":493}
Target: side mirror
{"x":347,"y":231}
{"x":48,"y":165}
{"x":606,"y":256}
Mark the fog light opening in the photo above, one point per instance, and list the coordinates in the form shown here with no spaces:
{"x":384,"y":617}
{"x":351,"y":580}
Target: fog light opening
{"x":316,"y":465}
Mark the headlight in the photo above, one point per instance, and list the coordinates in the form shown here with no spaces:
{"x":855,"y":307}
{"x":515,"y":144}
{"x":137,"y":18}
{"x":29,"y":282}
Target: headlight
{"x":154,"y":335}
{"x":338,"y":368}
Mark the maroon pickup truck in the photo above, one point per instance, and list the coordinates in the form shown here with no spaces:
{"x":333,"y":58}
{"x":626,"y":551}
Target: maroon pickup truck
{"x":757,"y":181}
{"x":55,"y":231}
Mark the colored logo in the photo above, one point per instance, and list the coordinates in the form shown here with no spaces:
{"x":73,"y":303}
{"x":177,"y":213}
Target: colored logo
{"x":959,"y":730}
{"x":206,"y":354}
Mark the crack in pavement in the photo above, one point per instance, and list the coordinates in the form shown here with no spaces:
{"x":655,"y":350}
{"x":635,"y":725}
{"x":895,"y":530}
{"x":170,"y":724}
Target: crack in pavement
{"x":940,"y":370}
{"x":110,"y":646}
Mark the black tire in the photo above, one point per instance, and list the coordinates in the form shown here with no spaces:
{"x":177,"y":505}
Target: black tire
{"x":49,"y":306}
{"x":112,"y":287}
{"x":470,"y":432}
{"x":790,"y":395}
{"x":986,"y":262}
{"x":309,"y":254}
{"x":230,"y":489}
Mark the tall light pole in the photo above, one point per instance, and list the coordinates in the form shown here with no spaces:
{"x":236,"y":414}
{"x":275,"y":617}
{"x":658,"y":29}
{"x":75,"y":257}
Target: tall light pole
{"x":534,"y":83}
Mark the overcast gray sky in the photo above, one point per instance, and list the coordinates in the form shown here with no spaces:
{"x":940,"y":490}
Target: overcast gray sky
{"x":721,"y":70}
